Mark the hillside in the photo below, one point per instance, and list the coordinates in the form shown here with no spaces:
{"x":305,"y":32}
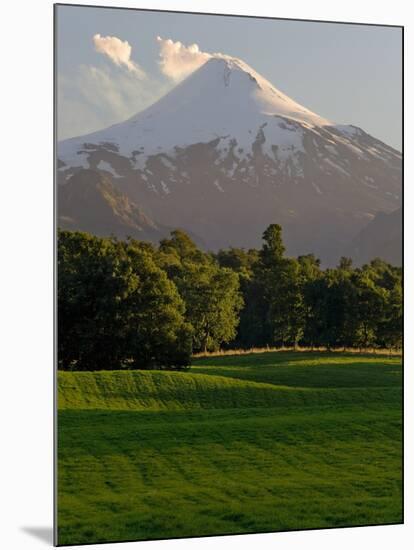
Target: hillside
{"x":240,"y":444}
{"x":217,"y":383}
{"x":157,"y":391}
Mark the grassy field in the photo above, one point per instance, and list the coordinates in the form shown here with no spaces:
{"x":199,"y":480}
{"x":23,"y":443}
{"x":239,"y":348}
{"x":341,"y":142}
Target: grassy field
{"x":245,"y":443}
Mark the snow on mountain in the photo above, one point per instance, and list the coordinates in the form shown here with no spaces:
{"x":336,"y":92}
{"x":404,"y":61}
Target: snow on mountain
{"x":225,"y":100}
{"x":224,"y":97}
{"x":225,"y":152}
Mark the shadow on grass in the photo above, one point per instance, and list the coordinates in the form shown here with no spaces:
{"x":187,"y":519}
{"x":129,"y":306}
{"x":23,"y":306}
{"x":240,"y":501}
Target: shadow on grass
{"x":275,"y":356}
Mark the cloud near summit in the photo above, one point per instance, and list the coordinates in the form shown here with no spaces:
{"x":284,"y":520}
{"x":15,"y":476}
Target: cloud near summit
{"x":177,"y":60}
{"x":118,"y":51}
{"x":91,"y":98}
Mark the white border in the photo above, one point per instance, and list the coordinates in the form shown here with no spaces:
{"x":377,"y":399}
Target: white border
{"x":26,"y":271}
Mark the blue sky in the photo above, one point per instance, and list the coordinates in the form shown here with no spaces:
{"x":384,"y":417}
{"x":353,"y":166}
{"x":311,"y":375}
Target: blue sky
{"x":350,"y":74}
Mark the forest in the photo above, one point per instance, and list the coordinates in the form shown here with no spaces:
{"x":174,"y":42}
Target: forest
{"x":131,"y":304}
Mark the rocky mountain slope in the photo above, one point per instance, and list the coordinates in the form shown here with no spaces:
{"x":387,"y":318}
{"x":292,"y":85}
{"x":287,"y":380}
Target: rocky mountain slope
{"x":90,"y":202}
{"x":381,"y":238}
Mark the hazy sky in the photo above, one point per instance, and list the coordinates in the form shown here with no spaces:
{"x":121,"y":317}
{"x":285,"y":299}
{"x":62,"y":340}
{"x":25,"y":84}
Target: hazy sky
{"x":108,"y":64}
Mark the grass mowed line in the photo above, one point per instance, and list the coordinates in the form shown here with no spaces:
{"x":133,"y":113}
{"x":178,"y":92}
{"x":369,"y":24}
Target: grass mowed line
{"x":269,"y":442}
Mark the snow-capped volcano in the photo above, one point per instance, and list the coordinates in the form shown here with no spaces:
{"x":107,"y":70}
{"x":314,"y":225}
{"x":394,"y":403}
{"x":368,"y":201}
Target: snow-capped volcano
{"x":224,"y":99}
{"x":225,"y":153}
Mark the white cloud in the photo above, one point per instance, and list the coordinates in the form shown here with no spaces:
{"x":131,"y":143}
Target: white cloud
{"x":178,"y":61}
{"x":92,"y":98}
{"x":118,"y":51}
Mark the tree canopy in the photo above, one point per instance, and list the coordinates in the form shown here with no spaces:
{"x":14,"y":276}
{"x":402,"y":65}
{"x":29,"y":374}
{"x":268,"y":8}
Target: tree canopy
{"x":130,"y":304}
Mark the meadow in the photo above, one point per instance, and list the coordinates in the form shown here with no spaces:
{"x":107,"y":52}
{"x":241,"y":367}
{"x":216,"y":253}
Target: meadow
{"x":238,"y":444}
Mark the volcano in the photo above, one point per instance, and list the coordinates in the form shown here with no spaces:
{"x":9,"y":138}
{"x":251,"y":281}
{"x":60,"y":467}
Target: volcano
{"x":225,"y":153}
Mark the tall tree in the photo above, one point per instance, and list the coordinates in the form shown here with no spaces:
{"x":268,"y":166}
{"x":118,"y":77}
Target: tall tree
{"x":211,"y":293}
{"x":371,"y":302}
{"x":278,"y":289}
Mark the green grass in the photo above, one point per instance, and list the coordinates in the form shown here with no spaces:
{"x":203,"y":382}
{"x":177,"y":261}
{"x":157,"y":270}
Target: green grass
{"x":247,"y":443}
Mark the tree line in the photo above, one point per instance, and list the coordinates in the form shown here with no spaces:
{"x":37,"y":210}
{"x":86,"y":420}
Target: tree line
{"x":130,"y":304}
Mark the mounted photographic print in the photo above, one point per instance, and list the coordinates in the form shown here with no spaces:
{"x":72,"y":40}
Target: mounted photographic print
{"x":229,"y":274}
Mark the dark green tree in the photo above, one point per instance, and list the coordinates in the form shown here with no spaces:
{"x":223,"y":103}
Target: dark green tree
{"x":275,"y":294}
{"x":116,"y":307}
{"x":156,"y":331}
{"x":211,"y":293}
{"x":370,"y":311}
{"x":91,"y":288}
{"x":345,"y":264}
{"x":213,"y":303}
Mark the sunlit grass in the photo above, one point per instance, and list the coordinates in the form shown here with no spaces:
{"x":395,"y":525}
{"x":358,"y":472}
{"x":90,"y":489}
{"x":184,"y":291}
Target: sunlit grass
{"x":247,"y":443}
